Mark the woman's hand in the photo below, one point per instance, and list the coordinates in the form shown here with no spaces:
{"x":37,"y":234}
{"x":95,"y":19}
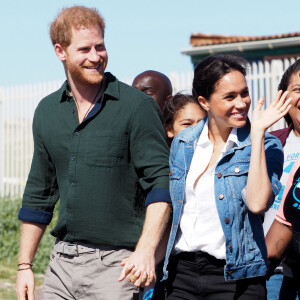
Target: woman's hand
{"x":258,"y":178}
{"x":263,"y":119}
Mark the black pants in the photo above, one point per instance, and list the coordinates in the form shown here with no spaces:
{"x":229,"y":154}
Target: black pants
{"x":290,"y":287}
{"x":156,"y":292}
{"x":198,"y":275}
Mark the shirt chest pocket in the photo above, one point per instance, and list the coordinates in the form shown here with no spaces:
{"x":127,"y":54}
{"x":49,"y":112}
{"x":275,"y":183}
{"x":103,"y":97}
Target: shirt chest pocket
{"x":104,"y":149}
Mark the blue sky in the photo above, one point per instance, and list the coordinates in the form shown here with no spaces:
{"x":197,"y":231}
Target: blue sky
{"x":140,"y":34}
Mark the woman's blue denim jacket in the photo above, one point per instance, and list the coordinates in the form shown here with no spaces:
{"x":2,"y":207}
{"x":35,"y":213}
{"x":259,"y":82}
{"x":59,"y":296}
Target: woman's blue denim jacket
{"x":246,"y":253}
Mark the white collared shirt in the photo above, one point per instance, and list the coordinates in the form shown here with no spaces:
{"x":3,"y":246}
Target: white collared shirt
{"x":200,"y":226}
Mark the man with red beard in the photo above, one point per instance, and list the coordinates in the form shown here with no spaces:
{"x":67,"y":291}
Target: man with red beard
{"x":99,"y":147}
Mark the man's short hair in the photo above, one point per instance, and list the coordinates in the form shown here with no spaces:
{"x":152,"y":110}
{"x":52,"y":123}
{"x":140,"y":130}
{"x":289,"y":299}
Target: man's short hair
{"x":74,"y":17}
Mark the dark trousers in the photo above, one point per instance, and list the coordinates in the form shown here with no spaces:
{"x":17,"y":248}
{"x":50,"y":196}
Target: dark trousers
{"x":198,"y":275}
{"x":290,"y":288}
{"x":156,"y":292}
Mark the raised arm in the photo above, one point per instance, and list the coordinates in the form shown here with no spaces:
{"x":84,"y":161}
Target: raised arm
{"x":258,"y":178}
{"x":31,"y":235}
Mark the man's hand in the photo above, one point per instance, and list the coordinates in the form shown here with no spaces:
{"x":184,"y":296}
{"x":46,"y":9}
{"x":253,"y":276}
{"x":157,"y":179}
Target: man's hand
{"x":25,"y":285}
{"x":139,"y":268}
{"x":31,"y":234}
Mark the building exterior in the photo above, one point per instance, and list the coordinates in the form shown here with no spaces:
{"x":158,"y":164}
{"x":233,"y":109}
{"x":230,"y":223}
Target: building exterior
{"x":268,"y":57}
{"x":252,"y":48}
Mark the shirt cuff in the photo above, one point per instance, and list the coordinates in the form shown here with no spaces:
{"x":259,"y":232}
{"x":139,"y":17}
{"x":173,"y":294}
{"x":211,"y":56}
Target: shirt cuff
{"x":276,"y":185}
{"x":34,"y":216}
{"x":158,"y":195}
{"x":283,"y":221}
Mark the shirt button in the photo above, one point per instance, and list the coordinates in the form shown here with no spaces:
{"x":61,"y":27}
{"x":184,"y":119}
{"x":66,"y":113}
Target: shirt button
{"x":237,"y":169}
{"x":221,"y":196}
{"x":219,"y":175}
{"x":72,"y":184}
{"x":226,"y":220}
{"x":229,"y":272}
{"x":73,"y":158}
{"x":171,"y":173}
{"x":230,"y":247}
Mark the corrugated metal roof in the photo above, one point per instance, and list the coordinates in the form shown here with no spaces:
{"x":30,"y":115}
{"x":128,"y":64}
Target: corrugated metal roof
{"x":201,"y":39}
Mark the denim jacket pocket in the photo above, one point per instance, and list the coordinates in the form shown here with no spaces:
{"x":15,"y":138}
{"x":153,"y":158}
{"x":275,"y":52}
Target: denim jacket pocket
{"x":177,"y":181}
{"x":176,"y":171}
{"x":237,"y":168}
{"x":235,"y":176}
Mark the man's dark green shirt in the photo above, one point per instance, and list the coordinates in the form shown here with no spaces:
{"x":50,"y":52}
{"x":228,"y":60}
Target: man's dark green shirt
{"x":99,"y":169}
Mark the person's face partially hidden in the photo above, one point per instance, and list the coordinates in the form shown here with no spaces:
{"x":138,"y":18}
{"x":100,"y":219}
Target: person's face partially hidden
{"x":154,"y":88}
{"x":294,"y":92}
{"x":187,"y":116}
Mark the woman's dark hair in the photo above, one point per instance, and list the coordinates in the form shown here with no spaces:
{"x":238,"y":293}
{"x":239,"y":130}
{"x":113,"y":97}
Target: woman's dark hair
{"x":209,"y":71}
{"x":172,"y":107}
{"x":177,"y":102}
{"x":285,"y":81}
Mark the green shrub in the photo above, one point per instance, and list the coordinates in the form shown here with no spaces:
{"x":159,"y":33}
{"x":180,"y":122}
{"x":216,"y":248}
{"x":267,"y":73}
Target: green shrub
{"x":10,"y":236}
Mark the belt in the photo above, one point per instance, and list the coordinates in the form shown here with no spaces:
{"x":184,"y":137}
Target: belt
{"x":74,"y":249}
{"x":194,"y":256}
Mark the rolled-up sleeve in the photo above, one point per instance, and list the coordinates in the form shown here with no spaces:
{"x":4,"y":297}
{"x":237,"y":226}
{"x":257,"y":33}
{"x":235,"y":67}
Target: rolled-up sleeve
{"x":274,"y":160}
{"x":150,"y":152}
{"x":41,"y":191}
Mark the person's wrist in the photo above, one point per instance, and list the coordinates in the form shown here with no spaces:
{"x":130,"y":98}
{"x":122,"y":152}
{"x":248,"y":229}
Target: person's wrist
{"x":257,"y":134}
{"x":146,"y":248}
{"x":26,"y":263}
{"x":24,"y":266}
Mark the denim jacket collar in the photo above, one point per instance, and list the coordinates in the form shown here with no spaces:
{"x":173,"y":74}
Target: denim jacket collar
{"x":191,"y":134}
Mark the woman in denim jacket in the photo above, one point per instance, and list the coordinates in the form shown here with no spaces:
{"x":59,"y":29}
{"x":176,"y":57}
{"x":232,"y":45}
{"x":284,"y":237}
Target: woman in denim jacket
{"x":224,"y":174}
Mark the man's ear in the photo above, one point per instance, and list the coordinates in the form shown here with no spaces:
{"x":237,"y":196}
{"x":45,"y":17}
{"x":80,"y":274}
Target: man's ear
{"x":60,"y":52}
{"x":203,"y":103}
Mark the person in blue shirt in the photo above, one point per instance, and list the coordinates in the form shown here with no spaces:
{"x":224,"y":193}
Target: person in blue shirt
{"x":223,"y":175}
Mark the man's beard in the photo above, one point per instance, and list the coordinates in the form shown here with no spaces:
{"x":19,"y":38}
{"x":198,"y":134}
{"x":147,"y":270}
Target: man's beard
{"x":77,"y":73}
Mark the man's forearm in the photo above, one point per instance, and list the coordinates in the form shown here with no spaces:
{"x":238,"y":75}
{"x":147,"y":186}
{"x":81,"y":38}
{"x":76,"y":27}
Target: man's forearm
{"x":31,"y":234}
{"x":162,"y":246}
{"x":139,"y":268}
{"x":156,"y":220}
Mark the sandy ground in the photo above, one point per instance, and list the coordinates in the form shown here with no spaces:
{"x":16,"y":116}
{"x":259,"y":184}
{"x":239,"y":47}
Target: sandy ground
{"x":38,"y":293}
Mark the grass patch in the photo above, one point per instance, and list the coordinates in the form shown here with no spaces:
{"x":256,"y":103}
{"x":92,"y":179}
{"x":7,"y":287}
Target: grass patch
{"x":10,"y":236}
{"x":8,"y":277}
{"x":9,"y":248}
